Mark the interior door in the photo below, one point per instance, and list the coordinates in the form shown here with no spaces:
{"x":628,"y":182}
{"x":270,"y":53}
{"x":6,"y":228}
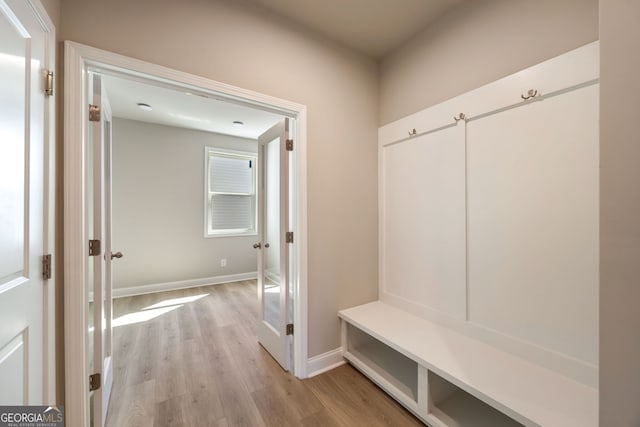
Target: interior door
{"x":274,"y":251}
{"x":22,"y":207}
{"x":99,"y":259}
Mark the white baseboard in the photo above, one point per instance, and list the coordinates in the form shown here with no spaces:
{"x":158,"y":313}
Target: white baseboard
{"x":324,"y":362}
{"x":181,"y":284}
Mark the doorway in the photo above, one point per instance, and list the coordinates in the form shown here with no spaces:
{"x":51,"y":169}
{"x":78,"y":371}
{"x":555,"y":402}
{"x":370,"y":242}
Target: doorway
{"x":160,"y":137}
{"x":80,"y":60}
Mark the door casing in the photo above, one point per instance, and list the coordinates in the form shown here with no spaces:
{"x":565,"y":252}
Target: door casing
{"x":78,"y":58}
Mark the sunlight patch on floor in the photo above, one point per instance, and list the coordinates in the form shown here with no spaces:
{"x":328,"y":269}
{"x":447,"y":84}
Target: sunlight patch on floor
{"x":153,"y":311}
{"x":176,"y":301}
{"x":142,"y":316}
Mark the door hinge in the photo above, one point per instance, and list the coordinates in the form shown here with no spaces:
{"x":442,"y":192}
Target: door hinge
{"x":48,"y":83}
{"x":94,"y":382}
{"x":94,"y":113}
{"x":289,"y":144}
{"x":290,"y":329}
{"x":94,"y":247}
{"x":289,"y":237}
{"x":46,"y":267}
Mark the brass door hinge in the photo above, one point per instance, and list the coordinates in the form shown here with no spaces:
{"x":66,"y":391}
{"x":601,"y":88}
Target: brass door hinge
{"x":48,"y":83}
{"x":289,"y":144}
{"x":46,"y":267}
{"x":94,"y":113}
{"x":289,"y":237}
{"x":290,"y":329}
{"x":94,"y":382}
{"x":94,"y":247}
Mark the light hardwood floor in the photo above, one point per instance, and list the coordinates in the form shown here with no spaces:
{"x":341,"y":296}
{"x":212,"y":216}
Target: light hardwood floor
{"x":198,"y":363}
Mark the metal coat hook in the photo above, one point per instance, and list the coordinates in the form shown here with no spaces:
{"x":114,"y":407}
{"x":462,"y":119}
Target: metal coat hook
{"x":459,"y":117}
{"x":531,"y":94}
{"x":413,"y":132}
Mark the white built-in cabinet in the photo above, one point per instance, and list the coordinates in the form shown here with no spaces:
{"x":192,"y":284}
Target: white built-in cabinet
{"x":488,"y":300}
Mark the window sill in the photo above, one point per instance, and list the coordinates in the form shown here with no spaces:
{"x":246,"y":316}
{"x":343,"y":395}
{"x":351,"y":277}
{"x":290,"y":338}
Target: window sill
{"x":216,"y":235}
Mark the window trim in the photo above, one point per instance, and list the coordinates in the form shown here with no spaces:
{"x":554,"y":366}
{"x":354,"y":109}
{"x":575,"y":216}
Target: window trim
{"x":225,"y":152}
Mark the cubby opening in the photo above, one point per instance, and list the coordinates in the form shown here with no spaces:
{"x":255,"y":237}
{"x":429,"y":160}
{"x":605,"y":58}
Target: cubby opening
{"x":452,"y":406}
{"x":393,"y":366}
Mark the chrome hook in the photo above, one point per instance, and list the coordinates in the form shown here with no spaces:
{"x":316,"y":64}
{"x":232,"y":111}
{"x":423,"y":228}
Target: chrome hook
{"x":459,"y":117}
{"x":530,"y":94}
{"x":413,"y":132}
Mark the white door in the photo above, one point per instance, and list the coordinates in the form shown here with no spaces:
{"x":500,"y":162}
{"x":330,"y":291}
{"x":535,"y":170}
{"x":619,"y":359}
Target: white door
{"x":22,"y":209}
{"x":98,"y":225}
{"x":274,"y":251}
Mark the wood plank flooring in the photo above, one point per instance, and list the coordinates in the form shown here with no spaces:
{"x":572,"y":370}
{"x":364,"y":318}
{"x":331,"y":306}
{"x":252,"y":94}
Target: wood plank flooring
{"x":198,"y":363}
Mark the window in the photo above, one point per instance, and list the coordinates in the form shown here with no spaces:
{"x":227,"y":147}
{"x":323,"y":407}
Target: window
{"x":230,"y":193}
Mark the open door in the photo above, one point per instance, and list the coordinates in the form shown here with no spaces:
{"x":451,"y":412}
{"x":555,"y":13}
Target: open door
{"x":273,"y":248}
{"x":99,"y":259}
{"x":23,"y":212}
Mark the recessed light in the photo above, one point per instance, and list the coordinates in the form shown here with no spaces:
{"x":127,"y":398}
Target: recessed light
{"x":145,"y":107}
{"x":238,"y":123}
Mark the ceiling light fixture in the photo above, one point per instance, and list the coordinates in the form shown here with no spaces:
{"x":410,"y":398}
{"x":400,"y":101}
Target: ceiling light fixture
{"x":144,"y":107}
{"x":238,"y":123}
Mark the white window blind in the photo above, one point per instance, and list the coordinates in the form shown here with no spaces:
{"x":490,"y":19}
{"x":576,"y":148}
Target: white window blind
{"x":230,"y":174}
{"x":231,"y":193}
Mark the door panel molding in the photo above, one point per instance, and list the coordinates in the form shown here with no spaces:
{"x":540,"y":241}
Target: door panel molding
{"x":14,"y":365}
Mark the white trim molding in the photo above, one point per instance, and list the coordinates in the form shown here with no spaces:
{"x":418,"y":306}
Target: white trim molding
{"x":80,"y":58}
{"x":75,"y":292}
{"x":182,"y":284}
{"x":324,"y":362}
{"x":49,"y":243}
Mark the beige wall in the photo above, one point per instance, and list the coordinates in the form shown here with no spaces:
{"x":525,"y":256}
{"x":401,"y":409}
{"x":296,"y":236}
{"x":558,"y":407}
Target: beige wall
{"x":53,"y":10}
{"x":158,"y":207}
{"x":243,"y":46}
{"x":479,"y":42}
{"x":619,"y":214}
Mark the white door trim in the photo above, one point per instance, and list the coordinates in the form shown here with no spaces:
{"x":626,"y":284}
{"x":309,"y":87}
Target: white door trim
{"x":49,"y":230}
{"x":77,"y":58}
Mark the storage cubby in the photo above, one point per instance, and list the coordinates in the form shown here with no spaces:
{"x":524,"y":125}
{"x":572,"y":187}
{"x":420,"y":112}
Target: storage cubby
{"x":450,"y":380}
{"x":452,"y":406}
{"x":393,"y":366}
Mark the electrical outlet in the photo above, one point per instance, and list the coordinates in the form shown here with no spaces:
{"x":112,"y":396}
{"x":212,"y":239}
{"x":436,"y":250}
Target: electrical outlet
{"x":223,"y":262}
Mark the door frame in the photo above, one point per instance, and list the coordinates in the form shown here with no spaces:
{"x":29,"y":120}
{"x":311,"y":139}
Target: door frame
{"x":77,"y":58}
{"x":49,"y":245}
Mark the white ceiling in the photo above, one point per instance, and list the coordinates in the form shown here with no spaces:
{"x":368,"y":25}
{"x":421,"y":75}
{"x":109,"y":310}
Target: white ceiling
{"x":373,"y":27}
{"x":177,"y":108}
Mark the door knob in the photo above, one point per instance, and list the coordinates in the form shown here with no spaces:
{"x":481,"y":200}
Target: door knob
{"x":116,"y":255}
{"x":266,"y":245}
{"x":257,"y":245}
